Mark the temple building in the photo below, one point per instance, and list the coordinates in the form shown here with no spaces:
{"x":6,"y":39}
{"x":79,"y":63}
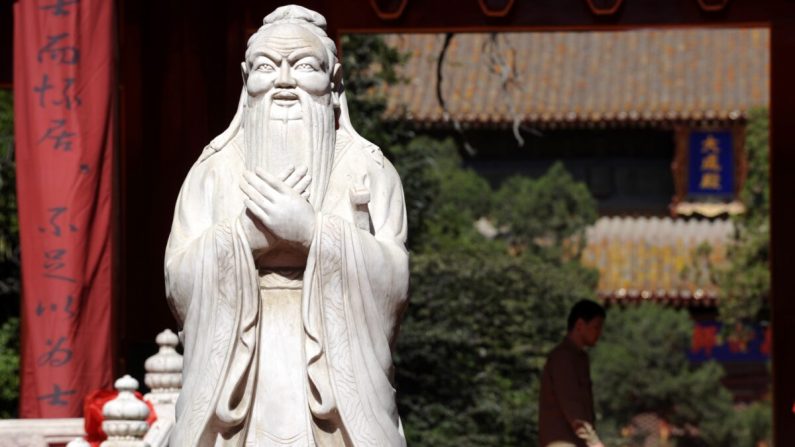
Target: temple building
{"x":652,"y":121}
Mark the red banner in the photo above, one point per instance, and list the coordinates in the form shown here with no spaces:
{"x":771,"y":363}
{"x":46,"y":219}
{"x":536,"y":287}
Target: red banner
{"x":64,"y":134}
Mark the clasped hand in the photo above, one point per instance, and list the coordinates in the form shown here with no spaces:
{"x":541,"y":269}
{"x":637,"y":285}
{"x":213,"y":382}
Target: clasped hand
{"x":277,"y":205}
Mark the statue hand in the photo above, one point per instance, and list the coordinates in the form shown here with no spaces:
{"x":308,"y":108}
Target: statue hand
{"x":259,"y":238}
{"x":279,"y":205}
{"x":298,"y":180}
{"x":256,"y":232}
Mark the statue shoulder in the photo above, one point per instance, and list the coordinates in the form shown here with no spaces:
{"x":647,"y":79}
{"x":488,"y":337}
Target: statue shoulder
{"x":373,"y":151}
{"x":370,"y":157}
{"x":207,"y":152}
{"x":348,"y":140}
{"x":213,"y":165}
{"x":214,"y":151}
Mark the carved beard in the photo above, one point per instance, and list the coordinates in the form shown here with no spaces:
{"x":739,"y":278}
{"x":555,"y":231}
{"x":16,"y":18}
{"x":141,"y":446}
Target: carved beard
{"x":308,"y":140}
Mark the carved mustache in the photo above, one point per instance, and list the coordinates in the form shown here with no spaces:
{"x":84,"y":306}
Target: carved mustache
{"x":284,"y":95}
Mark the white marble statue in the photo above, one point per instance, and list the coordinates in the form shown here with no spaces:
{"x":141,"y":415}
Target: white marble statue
{"x":286,"y":266}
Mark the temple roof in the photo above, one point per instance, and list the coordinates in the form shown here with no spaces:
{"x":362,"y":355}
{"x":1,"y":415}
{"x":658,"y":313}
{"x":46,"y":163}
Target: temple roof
{"x":652,"y":75}
{"x":656,"y":258}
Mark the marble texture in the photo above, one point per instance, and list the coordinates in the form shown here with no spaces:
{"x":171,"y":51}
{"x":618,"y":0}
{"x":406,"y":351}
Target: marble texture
{"x":39,"y":432}
{"x":286,"y":267}
{"x":124,"y":417}
{"x":164,"y":379}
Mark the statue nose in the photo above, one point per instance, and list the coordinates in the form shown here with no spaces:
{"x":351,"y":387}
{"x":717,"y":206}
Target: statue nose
{"x":285,"y":79}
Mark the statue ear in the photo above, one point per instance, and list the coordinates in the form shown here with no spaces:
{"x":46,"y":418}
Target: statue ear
{"x":244,"y":71}
{"x":336,"y":84}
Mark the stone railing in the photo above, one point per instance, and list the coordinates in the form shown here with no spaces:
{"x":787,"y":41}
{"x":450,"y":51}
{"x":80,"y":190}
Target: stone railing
{"x":39,"y":432}
{"x":124,"y":417}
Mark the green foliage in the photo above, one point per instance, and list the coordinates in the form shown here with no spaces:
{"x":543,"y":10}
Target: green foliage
{"x":484,"y":312}
{"x":368,"y":65}
{"x":9,"y":227}
{"x":9,"y":263}
{"x":756,"y":191}
{"x":753,"y":423}
{"x":9,"y":367}
{"x":481,"y":319}
{"x":640,"y":366}
{"x":415,"y":165}
{"x":474,"y":343}
{"x":443,"y":200}
{"x":745,"y":280}
{"x":545,"y":211}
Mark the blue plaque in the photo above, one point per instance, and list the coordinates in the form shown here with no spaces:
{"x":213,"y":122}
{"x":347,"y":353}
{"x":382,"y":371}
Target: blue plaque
{"x":711,"y":165}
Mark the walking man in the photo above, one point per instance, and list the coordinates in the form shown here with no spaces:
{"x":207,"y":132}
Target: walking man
{"x":566,"y":414}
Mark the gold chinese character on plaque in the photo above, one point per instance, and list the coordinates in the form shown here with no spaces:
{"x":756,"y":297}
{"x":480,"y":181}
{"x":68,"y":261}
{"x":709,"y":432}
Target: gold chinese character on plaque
{"x":710,"y":144}
{"x":710,"y":180}
{"x":710,"y":162}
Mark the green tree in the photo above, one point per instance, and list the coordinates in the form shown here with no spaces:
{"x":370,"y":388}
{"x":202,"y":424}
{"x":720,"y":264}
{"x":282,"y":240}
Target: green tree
{"x":482,"y":316}
{"x":641,"y":366}
{"x":474,"y":342}
{"x":484,"y":312}
{"x":745,"y":279}
{"x":545,"y":212}
{"x":368,"y":65}
{"x":9,"y":263}
{"x":443,"y":199}
{"x":9,"y":367}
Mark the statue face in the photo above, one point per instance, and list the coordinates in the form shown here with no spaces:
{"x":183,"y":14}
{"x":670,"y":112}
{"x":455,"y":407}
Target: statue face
{"x":285,"y":58}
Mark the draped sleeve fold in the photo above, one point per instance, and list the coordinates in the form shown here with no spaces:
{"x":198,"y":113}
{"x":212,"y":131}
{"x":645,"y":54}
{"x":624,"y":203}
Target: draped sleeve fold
{"x":212,"y":289}
{"x":358,"y":288}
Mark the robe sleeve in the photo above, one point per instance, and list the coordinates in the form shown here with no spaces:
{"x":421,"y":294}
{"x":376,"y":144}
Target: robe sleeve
{"x":211,"y":286}
{"x":358,"y":287}
{"x":384,"y":255}
{"x":191,"y":236}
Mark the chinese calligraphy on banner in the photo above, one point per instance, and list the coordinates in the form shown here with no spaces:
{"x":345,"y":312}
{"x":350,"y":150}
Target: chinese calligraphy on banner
{"x":63,"y":112}
{"x":711,"y":164}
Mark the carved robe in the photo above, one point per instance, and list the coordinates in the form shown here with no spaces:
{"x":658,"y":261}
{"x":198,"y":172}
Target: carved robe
{"x":353,"y":290}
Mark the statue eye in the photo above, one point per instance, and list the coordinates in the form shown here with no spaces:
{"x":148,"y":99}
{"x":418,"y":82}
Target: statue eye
{"x":305,"y":67}
{"x":267,"y":68}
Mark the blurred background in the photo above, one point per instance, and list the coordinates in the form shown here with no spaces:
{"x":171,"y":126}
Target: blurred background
{"x":543,"y":168}
{"x":628,"y":165}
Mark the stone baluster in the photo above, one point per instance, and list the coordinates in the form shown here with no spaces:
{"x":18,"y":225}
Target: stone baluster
{"x":164,"y":379}
{"x":164,"y":375}
{"x":125,"y":416}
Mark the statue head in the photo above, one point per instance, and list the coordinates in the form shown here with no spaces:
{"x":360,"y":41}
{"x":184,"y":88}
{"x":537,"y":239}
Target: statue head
{"x":292,"y":85}
{"x":290,"y":55}
{"x":292,"y":64}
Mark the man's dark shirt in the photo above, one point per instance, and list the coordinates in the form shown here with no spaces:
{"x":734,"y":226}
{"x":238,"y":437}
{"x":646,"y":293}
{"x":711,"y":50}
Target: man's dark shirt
{"x":565,"y":394}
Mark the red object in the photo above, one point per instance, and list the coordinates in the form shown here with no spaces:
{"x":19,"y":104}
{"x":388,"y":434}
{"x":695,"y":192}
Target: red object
{"x":64,"y":132}
{"x":704,"y":338}
{"x":766,"y":344}
{"x":92,"y":410}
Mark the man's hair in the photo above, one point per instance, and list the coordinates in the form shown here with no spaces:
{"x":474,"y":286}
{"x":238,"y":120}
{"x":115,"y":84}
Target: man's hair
{"x":305,"y":18}
{"x":585,"y":310}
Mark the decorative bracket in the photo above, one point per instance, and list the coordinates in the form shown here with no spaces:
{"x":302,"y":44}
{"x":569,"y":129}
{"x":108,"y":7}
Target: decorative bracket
{"x":712,"y":5}
{"x":387,"y":15}
{"x":604,"y":7}
{"x":496,"y":12}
